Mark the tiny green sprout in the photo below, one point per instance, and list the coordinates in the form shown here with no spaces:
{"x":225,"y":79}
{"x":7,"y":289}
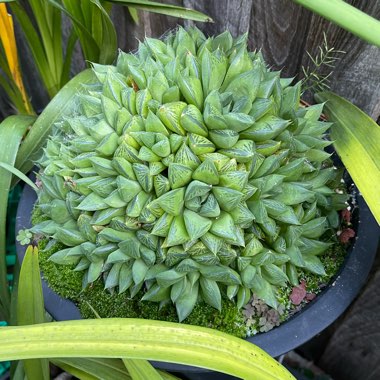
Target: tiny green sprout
{"x":24,"y":237}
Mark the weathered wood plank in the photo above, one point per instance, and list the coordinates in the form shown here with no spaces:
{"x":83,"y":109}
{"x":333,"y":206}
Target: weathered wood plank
{"x":150,"y":25}
{"x":354,"y":350}
{"x":352,"y":74}
{"x":233,"y":15}
{"x":282,"y":30}
{"x":278,"y":28}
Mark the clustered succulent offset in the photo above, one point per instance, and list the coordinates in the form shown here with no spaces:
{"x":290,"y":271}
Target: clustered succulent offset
{"x":189,"y":171}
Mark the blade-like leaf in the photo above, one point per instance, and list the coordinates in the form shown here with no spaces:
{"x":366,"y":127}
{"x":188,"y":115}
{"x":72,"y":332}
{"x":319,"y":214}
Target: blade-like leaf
{"x":166,"y":9}
{"x":346,"y":16}
{"x":18,"y":174}
{"x":356,"y":139}
{"x":98,"y":368}
{"x":74,"y":12}
{"x":48,"y":19}
{"x":108,"y":44}
{"x":76,"y":372}
{"x":19,"y":372}
{"x":8,"y":47}
{"x":138,"y":369}
{"x":62,"y":104}
{"x":68,"y":57}
{"x":95,"y":368}
{"x":12,"y":130}
{"x":141,"y":339}
{"x":134,"y":15}
{"x":30,"y":307}
{"x":141,"y":370}
{"x":36,"y":47}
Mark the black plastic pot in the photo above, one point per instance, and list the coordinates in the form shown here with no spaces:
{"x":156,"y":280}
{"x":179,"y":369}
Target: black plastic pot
{"x":313,"y":318}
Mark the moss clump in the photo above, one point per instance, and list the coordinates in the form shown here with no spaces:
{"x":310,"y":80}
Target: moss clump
{"x":255,"y":319}
{"x":114,"y":305}
{"x":61,"y":278}
{"x":332,"y":261}
{"x":68,"y":284}
{"x":38,"y":216}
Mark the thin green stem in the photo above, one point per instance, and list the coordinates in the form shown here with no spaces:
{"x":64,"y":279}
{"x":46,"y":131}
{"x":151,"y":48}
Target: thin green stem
{"x":346,"y":16}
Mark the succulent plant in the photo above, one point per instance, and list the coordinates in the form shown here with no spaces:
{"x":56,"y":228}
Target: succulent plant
{"x":190,"y":171}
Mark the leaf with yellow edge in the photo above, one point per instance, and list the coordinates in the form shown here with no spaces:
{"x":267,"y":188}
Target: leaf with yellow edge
{"x":142,"y":339}
{"x":30,"y":307}
{"x":8,"y":41}
{"x":356,"y":139}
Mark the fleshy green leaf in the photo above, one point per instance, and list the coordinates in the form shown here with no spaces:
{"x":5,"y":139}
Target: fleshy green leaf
{"x":141,"y":339}
{"x":356,"y":138}
{"x":30,"y":307}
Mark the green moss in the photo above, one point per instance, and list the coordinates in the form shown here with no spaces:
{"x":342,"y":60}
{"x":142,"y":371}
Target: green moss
{"x":61,"y":278}
{"x":68,"y":284}
{"x":108,"y":305}
{"x":38,"y":216}
{"x":332,"y":260}
{"x":230,"y":320}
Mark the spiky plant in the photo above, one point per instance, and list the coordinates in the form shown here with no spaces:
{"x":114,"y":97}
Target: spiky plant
{"x":189,"y":171}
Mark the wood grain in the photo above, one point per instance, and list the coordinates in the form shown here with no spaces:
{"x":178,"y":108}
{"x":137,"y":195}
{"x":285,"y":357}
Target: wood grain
{"x":233,"y":15}
{"x":282,"y":30}
{"x":352,"y":74}
{"x":150,"y":25}
{"x":278,"y":28}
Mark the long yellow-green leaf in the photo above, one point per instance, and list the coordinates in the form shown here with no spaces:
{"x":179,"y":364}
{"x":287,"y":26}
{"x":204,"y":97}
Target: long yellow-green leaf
{"x":167,"y":375}
{"x":9,"y":48}
{"x":48,"y":20}
{"x":18,"y":174}
{"x":166,"y":9}
{"x":62,"y":104}
{"x":71,"y":41}
{"x":36,"y":47}
{"x":11,"y":131}
{"x":141,"y":339}
{"x":30,"y":307}
{"x":357,"y":140}
{"x":141,"y":370}
{"x":98,"y":368}
{"x":79,"y":16}
{"x":346,"y":16}
{"x":134,"y":15}
{"x":18,"y":372}
{"x":17,"y":367}
{"x":76,"y":372}
{"x":108,"y":44}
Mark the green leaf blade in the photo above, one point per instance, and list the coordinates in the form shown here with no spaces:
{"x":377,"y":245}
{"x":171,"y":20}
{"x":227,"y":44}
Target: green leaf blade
{"x":166,"y":9}
{"x":30,"y":307}
{"x":346,"y":16}
{"x":142,"y":339}
{"x":141,"y":370}
{"x":12,"y":130}
{"x":356,"y":139}
{"x":93,"y":368}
